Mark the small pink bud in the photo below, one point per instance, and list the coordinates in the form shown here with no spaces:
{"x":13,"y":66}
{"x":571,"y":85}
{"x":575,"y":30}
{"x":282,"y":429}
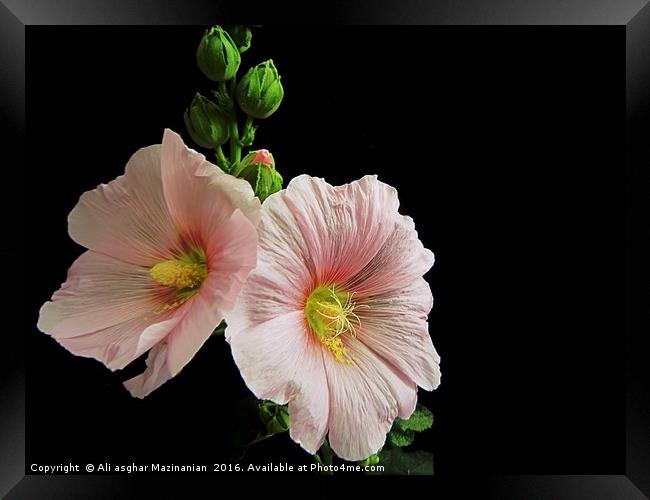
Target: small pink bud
{"x":264,"y":157}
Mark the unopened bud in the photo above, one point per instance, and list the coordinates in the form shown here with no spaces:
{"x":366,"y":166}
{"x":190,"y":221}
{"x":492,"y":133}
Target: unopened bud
{"x":218,"y":56}
{"x":205,"y":123}
{"x":258,"y":168}
{"x":259,"y":93}
{"x":242,"y":36}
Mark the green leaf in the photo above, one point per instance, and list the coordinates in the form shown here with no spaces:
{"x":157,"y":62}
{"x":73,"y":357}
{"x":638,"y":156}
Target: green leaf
{"x":421,"y":420}
{"x":400,"y":438}
{"x":398,"y":462}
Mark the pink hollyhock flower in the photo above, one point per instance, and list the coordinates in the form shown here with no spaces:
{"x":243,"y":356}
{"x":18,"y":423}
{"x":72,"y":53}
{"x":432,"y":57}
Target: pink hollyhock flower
{"x":169,"y":245}
{"x":333,"y":320}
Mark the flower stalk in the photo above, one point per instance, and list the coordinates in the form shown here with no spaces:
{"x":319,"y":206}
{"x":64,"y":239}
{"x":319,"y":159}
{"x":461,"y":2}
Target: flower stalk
{"x":325,"y":456}
{"x":222,"y":161}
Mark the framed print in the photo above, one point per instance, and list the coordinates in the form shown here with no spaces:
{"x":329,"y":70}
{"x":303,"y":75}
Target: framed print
{"x":407,"y":244}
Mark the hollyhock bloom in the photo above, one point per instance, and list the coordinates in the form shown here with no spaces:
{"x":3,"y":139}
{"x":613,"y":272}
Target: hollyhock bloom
{"x":333,"y":320}
{"x":169,"y":243}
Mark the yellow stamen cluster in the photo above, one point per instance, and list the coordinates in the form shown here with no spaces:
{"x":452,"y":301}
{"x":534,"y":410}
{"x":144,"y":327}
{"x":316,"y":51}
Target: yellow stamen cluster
{"x":179,"y":274}
{"x":184,"y":275}
{"x":330,"y":313}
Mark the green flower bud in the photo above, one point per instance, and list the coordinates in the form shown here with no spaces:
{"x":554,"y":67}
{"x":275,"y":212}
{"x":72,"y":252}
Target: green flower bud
{"x":242,"y":36}
{"x":258,"y":168}
{"x":205,"y":123}
{"x":260,"y":92}
{"x":217,"y":55}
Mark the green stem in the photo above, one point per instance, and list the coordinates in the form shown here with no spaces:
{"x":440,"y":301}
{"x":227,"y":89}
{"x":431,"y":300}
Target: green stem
{"x":325,"y":455}
{"x":237,"y":169}
{"x":221,"y":159}
{"x":235,"y":144}
{"x":233,"y":86}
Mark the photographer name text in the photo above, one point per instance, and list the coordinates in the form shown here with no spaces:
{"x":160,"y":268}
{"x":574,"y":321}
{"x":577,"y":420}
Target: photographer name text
{"x":132,"y":468}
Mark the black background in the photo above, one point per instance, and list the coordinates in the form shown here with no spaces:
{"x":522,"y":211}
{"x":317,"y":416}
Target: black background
{"x":506,"y":147}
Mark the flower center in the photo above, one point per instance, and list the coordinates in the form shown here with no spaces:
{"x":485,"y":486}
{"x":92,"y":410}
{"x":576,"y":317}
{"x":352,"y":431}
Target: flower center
{"x":185,"y":273}
{"x":330,"y":313}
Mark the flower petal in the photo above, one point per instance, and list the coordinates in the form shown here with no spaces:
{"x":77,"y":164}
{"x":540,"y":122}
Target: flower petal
{"x":278,"y":284}
{"x":106,"y":310}
{"x":363,"y":402}
{"x":154,"y":376}
{"x":343,"y":227}
{"x":100,"y":291}
{"x":196,"y":326}
{"x":395,"y":327}
{"x":128,"y":217}
{"x":119,"y":345}
{"x":199,"y":195}
{"x":231,"y":254}
{"x":401,"y":260}
{"x":281,"y":362}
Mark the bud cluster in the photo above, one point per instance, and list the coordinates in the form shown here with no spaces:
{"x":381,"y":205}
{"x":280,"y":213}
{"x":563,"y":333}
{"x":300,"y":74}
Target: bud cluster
{"x":258,"y":94}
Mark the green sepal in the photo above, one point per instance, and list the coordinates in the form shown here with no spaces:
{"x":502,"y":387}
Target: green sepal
{"x":264,"y":180}
{"x":248,"y":136}
{"x":258,"y":168}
